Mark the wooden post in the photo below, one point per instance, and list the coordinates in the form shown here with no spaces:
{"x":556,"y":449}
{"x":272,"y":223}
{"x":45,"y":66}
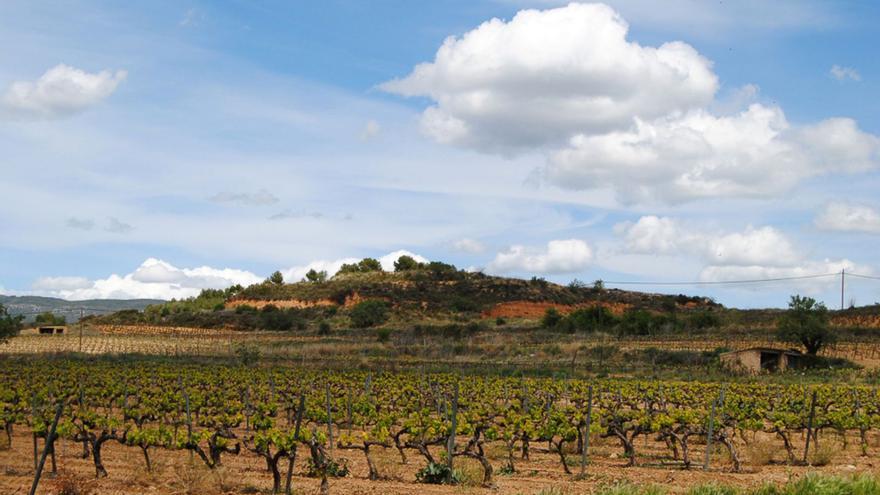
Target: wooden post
{"x":292,"y":459}
{"x":585,"y":445}
{"x":189,"y":427}
{"x":450,"y":444}
{"x":329,"y":417}
{"x":348,"y":407}
{"x":810,"y":426}
{"x":46,"y":447}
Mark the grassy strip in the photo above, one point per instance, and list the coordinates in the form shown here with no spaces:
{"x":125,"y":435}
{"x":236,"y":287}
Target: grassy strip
{"x":812,"y":484}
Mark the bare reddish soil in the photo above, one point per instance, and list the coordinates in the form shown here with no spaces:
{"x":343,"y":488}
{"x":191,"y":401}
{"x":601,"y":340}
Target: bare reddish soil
{"x":175,"y":474}
{"x":530,"y":309}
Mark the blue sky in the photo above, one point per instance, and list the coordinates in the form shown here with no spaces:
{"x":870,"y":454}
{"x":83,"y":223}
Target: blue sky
{"x":156,"y":149}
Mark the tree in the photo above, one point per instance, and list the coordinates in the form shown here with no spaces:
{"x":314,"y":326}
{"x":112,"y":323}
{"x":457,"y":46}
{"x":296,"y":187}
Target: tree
{"x":49,"y":319}
{"x":10,"y":325}
{"x":805,"y":323}
{"x":316,"y":276}
{"x":370,"y":265}
{"x":276,"y":278}
{"x":406,"y":263}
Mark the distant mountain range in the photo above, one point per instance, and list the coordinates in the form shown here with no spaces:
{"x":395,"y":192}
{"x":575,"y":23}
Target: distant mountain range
{"x":30,"y":306}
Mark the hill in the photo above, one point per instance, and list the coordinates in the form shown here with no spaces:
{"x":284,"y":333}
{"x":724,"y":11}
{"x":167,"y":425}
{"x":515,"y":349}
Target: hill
{"x":437,"y":295}
{"x":29,"y":306}
{"x":432,"y":294}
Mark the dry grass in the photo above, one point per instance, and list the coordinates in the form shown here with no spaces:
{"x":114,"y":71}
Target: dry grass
{"x":70,"y":483}
{"x":824,"y":453}
{"x":761,"y":452}
{"x":191,"y":478}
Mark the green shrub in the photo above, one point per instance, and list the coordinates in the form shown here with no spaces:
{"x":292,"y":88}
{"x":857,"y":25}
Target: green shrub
{"x":464,"y":305}
{"x":324,"y":328}
{"x":704,"y":319}
{"x":437,"y":474}
{"x":334,"y":469}
{"x":592,"y":319}
{"x":369,"y":313}
{"x":383,"y":334}
{"x":551,"y":318}
{"x":247,"y":354}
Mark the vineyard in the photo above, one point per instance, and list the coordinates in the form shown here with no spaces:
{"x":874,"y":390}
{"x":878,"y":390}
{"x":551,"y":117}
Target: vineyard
{"x":326,"y":427}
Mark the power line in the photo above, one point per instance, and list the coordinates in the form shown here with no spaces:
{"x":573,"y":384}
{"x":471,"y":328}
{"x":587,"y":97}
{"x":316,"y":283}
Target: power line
{"x":851,"y":274}
{"x":727,"y":282}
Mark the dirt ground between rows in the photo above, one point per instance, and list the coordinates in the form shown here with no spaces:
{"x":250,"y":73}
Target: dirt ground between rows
{"x":245,"y":473}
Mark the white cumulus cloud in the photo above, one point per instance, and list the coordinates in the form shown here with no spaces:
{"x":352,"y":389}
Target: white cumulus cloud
{"x":725,"y":273}
{"x":61,"y":91}
{"x":60,"y":283}
{"x":547,"y":75}
{"x":610,"y":114}
{"x":753,"y":253}
{"x":755,"y":153}
{"x":669,"y":236}
{"x":153,"y":279}
{"x":297,"y":273}
{"x":559,"y":256}
{"x":849,"y":217}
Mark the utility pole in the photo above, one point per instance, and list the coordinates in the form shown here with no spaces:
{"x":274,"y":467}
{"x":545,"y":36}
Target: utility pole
{"x":842,"y":277}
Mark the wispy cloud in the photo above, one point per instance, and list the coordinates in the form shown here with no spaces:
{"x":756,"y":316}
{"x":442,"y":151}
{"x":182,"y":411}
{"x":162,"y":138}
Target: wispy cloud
{"x":116,"y":226}
{"x":844,"y":73}
{"x":259,"y":198}
{"x":292,"y":215}
{"x":80,"y":223}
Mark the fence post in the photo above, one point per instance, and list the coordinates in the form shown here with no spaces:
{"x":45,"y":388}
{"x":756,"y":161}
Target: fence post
{"x":329,"y":417}
{"x":292,"y":457}
{"x":48,"y":445}
{"x":450,"y":444}
{"x":810,"y":426}
{"x":586,"y":435}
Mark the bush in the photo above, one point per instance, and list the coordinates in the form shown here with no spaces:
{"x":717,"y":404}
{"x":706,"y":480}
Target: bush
{"x":323,"y":328}
{"x":704,"y":319}
{"x":500,"y":321}
{"x":592,"y":319}
{"x":383,"y":334}
{"x":463,"y":304}
{"x":551,"y":318}
{"x":437,"y":474}
{"x":247,"y":354}
{"x":245,"y":308}
{"x":334,"y":469}
{"x":640,"y":322}
{"x":272,"y":318}
{"x":369,"y":313}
